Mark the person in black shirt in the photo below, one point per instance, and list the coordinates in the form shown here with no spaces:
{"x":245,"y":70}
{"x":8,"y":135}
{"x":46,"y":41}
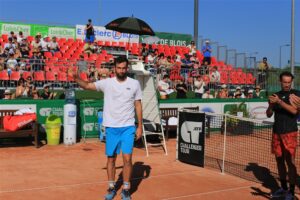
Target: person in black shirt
{"x":285,"y":131}
{"x":89,"y":35}
{"x":181,"y":89}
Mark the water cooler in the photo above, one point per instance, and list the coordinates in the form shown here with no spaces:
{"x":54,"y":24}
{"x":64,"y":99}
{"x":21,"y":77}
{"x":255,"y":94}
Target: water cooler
{"x":70,"y":117}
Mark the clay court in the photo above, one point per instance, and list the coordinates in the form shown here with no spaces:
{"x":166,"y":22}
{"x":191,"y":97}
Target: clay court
{"x":78,"y":173}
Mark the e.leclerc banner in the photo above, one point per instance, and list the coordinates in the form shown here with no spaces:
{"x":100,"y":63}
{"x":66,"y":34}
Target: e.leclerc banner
{"x":101,"y":33}
{"x":191,"y":136}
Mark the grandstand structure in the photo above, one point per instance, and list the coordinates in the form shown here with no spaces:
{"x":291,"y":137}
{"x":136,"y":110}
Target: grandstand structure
{"x":54,"y":66}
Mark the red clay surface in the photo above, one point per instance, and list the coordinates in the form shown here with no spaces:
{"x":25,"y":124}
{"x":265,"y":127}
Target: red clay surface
{"x":78,"y":173}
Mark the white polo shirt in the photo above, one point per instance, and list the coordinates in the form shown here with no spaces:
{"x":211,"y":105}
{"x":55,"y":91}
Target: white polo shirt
{"x":119,"y":98}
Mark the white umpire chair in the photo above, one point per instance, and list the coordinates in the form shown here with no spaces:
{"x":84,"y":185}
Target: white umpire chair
{"x":152,"y":124}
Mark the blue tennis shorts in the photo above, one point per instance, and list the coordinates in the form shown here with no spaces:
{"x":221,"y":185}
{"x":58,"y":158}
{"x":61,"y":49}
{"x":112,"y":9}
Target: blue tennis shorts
{"x":117,"y":139}
{"x":91,"y":38}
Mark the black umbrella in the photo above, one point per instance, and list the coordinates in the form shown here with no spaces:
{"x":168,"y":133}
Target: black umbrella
{"x":130,"y":25}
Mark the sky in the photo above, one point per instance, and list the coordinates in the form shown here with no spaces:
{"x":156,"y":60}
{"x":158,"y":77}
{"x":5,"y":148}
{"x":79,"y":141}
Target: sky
{"x":248,"y":26}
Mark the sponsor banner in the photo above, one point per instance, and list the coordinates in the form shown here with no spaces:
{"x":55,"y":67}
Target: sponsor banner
{"x":61,"y":32}
{"x":191,"y":136}
{"x":101,"y":33}
{"x":172,"y":39}
{"x":89,"y":118}
{"x":6,"y":28}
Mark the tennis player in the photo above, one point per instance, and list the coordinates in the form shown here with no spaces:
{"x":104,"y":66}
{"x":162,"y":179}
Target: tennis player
{"x":284,"y":138}
{"x":122,"y":98}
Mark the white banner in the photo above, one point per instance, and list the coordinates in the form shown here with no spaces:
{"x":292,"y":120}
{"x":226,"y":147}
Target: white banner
{"x":7,"y":28}
{"x":61,"y":32}
{"x":101,"y":33}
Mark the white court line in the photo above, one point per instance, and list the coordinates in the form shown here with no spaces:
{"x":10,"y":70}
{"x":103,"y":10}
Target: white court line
{"x":211,"y":192}
{"x":91,"y":183}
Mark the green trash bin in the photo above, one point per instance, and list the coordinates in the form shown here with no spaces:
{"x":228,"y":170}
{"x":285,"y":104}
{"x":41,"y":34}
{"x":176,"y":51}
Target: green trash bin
{"x":53,"y":126}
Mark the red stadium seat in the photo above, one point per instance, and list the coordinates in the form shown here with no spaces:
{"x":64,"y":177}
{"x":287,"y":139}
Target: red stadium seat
{"x":50,"y":76}
{"x":4,"y":75}
{"x":62,"y":76}
{"x":26,"y":74}
{"x":39,"y":76}
{"x":15,"y":76}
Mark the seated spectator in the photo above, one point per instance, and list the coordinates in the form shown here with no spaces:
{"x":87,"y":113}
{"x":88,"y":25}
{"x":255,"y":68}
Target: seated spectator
{"x":223,"y":94}
{"x":161,"y":61}
{"x":250,"y":94}
{"x":214,"y":77}
{"x":24,"y":50}
{"x":11,"y":63}
{"x":45,"y":44}
{"x":15,"y":42}
{"x":35,"y":93}
{"x":144,"y":51}
{"x":20,"y":37}
{"x":181,"y":89}
{"x":238,"y":91}
{"x":87,"y":48}
{"x":204,"y":68}
{"x":257,"y":94}
{"x":151,"y":58}
{"x":207,"y":94}
{"x":8,"y":94}
{"x":10,"y":45}
{"x":2,"y":63}
{"x":192,"y":48}
{"x":186,"y":63}
{"x":53,"y":45}
{"x":199,"y":87}
{"x":20,"y":89}
{"x":46,"y":94}
{"x":96,"y":48}
{"x":36,"y":61}
{"x":28,"y":88}
{"x":178,"y":57}
{"x":36,"y":43}
{"x":163,"y":86}
{"x":238,"y":95}
{"x":11,"y":35}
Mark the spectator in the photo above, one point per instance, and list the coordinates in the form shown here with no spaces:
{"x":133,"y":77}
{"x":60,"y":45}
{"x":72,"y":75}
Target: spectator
{"x":257,"y":94}
{"x":186,"y":63}
{"x":20,"y":89}
{"x":7,"y":94}
{"x":223,"y":94}
{"x":28,"y":89}
{"x":192,"y":48}
{"x":88,"y":48}
{"x":207,"y":94}
{"x":11,"y":35}
{"x":214,"y":77}
{"x":144,"y":51}
{"x":46,"y":94}
{"x":45,"y":44}
{"x":39,"y":35}
{"x":151,"y":58}
{"x":24,"y":50}
{"x":20,"y":37}
{"x":36,"y":61}
{"x":206,"y":50}
{"x":36,"y":43}
{"x":181,"y":89}
{"x":238,"y":95}
{"x":161,"y":61}
{"x":35,"y":94}
{"x":163,"y":87}
{"x":53,"y":45}
{"x":238,"y":91}
{"x":178,"y":57}
{"x":199,"y":87}
{"x":10,"y":46}
{"x":11,"y":63}
{"x":82,"y":65}
{"x":263,"y":69}
{"x":89,"y":32}
{"x":250,"y":94}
